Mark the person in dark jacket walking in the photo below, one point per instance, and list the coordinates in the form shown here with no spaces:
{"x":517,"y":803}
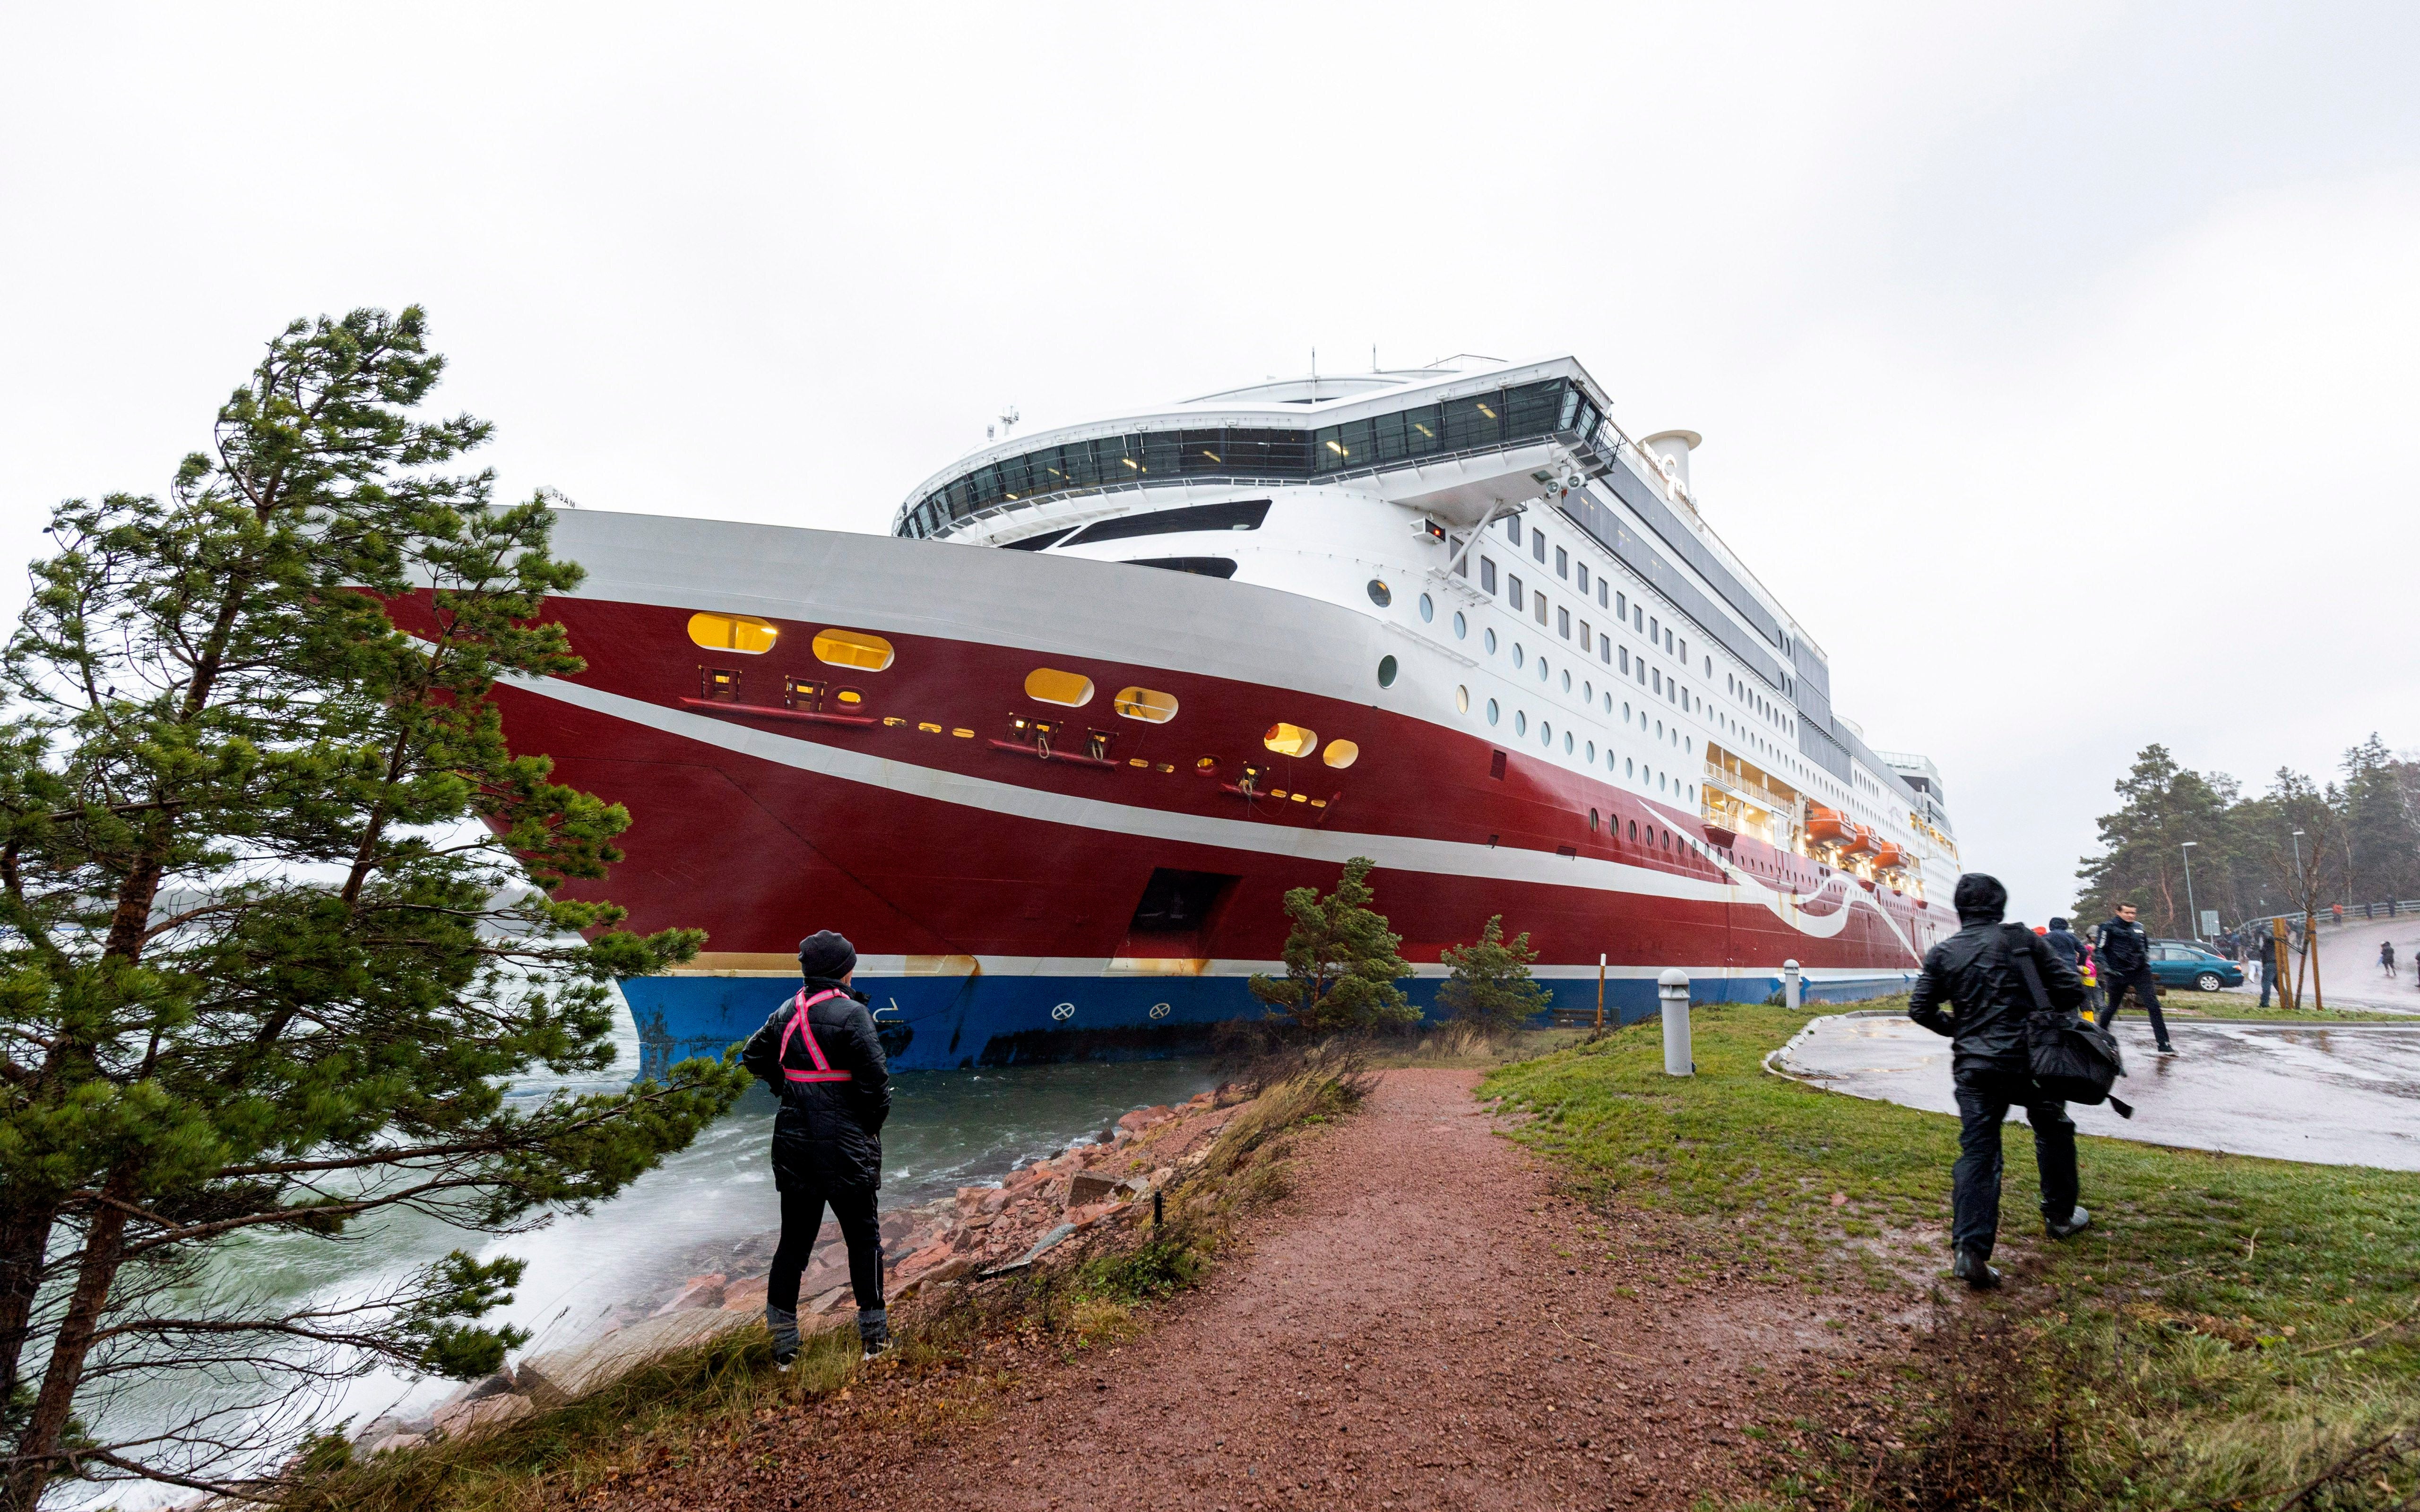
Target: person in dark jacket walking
{"x":2073,"y":951}
{"x":2125,"y":952}
{"x":1977,"y":971}
{"x":821,"y":1055}
{"x":2266,"y":954}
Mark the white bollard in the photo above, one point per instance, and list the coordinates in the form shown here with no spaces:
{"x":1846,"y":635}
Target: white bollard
{"x":1791,"y":989}
{"x":1674,"y":987}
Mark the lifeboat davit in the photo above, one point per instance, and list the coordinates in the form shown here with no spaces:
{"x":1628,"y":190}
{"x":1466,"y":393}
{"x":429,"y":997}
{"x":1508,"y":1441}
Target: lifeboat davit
{"x":1828,"y":823}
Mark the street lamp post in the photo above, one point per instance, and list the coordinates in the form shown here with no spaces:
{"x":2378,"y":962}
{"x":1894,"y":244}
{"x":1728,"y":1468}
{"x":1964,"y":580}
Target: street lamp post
{"x":2192,"y":918}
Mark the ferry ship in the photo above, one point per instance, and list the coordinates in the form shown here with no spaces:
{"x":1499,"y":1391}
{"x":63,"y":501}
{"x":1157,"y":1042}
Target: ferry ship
{"x":1053,"y":750}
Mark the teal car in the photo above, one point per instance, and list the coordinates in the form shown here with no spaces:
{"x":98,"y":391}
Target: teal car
{"x":2184,"y":964}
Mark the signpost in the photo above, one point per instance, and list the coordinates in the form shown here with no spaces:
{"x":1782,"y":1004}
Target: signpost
{"x":2208,"y":923}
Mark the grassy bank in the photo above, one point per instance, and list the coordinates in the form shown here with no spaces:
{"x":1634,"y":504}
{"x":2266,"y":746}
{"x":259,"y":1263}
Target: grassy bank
{"x":959,"y":1349}
{"x":2229,"y":1330}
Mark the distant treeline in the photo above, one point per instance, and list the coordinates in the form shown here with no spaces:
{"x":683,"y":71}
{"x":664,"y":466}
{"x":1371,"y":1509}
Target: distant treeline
{"x":2360,"y":840}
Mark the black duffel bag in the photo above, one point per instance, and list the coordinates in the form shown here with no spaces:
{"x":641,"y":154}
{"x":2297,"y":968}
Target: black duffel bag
{"x":2072,"y":1061}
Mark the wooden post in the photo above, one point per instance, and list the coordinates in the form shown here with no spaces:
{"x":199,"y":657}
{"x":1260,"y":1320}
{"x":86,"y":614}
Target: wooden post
{"x":1600,"y":992}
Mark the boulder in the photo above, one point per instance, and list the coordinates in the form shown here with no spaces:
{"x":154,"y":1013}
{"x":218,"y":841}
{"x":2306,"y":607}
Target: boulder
{"x":1086,"y":1188}
{"x":745,"y":1296}
{"x":468,"y":1420}
{"x":1142,"y":1119}
{"x":825,"y":1301}
{"x":565,"y":1375}
{"x":696,"y":1292}
{"x":470,"y":1391}
{"x":1082,"y":1215}
{"x":396,"y":1442}
{"x":922,"y":1260}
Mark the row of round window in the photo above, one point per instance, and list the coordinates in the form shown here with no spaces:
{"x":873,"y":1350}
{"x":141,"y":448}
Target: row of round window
{"x":1573,"y":744}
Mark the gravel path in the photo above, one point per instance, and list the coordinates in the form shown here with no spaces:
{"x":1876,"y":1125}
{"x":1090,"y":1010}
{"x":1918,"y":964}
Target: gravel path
{"x":1425,"y":1324}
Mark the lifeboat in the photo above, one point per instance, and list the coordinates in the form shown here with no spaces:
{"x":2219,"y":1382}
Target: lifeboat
{"x":1887,"y":854}
{"x":1860,"y":840}
{"x":1828,"y":823}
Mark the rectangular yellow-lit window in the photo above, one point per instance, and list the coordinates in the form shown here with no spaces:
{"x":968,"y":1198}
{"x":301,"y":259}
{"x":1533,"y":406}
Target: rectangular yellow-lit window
{"x":1146,"y":705}
{"x":1048,"y":684}
{"x":852,"y":648}
{"x":1291,"y":739}
{"x":742,"y":633}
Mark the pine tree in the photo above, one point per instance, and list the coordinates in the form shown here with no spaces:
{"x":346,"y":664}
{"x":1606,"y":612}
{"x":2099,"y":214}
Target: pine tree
{"x":1489,"y":983}
{"x":2142,"y":859}
{"x":275,"y":931}
{"x":1340,"y":959}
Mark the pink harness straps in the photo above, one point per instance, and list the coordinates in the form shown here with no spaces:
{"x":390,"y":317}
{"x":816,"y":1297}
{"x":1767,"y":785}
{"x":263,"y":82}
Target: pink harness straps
{"x":800,"y":1026}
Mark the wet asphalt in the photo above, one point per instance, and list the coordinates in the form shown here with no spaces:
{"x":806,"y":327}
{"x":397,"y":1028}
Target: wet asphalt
{"x":2330,"y":1094}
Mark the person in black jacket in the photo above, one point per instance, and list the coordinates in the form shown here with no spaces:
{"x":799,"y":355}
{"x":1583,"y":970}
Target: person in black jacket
{"x":2266,"y":954}
{"x":823,"y":1059}
{"x":2073,"y":951}
{"x":1977,"y":971}
{"x":2124,"y":951}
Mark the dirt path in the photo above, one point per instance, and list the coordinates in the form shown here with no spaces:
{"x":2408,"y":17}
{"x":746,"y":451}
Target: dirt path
{"x":1422,"y":1325}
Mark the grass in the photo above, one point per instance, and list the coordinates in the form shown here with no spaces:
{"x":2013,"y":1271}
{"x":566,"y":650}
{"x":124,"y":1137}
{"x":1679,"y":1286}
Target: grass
{"x":1095,"y":1291}
{"x":2229,"y":1329}
{"x":2185,"y":1004}
{"x":1462,"y":1046}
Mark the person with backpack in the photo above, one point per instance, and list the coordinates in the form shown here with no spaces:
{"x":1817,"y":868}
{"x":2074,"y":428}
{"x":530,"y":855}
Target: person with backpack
{"x":820,"y":1053}
{"x":2124,"y":948}
{"x":1980,"y":971}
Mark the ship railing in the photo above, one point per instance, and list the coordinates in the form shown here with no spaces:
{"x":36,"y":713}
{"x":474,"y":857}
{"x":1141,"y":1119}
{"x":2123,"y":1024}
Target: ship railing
{"x":1749,"y":788}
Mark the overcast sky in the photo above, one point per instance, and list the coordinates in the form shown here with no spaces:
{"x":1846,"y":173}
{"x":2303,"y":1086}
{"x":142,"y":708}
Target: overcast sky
{"x":2057,"y":367}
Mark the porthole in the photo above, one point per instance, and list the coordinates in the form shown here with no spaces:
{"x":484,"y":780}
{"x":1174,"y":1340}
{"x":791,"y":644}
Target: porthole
{"x":1520,"y":721}
{"x":1291,"y":739}
{"x":1567,"y":682}
{"x":1634,"y":832}
{"x":1592,"y":821}
{"x":1461,"y":699}
{"x":1147,"y":705}
{"x":1385,"y":672}
{"x":734,"y":632}
{"x":1492,"y":711}
{"x":1591,"y":753}
{"x":1491,"y":641}
{"x":1340,"y":754}
{"x":852,"y":648}
{"x":1629,"y":766}
{"x":1206,"y":767}
{"x":1567,"y":742}
{"x":1461,"y":626}
{"x":1380,"y":594}
{"x":850,"y":696}
{"x":1588,"y":692}
{"x":1609,"y":703}
{"x":1048,"y":684}
{"x":1625,"y":711}
{"x":1542,"y":669}
{"x":1428,"y":608}
{"x":1518,"y":654}
{"x":1546,"y":731}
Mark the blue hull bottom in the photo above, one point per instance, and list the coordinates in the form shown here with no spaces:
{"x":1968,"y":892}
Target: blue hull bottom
{"x":951,"y":1023}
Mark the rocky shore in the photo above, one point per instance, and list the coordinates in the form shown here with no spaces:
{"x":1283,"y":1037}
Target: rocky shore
{"x":980,"y":1232}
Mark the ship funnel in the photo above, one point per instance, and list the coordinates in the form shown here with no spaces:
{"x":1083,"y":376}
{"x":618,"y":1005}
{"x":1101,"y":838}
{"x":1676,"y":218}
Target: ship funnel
{"x":1674,"y":446}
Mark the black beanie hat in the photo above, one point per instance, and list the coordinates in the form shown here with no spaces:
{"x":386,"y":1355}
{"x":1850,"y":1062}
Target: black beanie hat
{"x":826,"y":954}
{"x":1979,"y":899}
{"x":2058,"y":923}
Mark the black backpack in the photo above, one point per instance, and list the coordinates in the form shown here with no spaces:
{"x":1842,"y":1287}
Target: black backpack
{"x":2071,"y":1060}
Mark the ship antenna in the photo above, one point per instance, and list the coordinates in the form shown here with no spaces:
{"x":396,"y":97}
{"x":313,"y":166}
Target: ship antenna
{"x":1008,"y":421}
